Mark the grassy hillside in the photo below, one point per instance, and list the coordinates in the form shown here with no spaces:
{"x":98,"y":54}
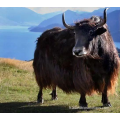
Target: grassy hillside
{"x":18,"y":93}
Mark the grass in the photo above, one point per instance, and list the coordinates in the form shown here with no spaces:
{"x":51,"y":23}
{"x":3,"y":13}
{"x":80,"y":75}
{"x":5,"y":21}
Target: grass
{"x":18,"y":93}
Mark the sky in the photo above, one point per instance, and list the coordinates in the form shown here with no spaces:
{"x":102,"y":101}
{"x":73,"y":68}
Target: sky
{"x":44,"y":10}
{"x":40,"y":6}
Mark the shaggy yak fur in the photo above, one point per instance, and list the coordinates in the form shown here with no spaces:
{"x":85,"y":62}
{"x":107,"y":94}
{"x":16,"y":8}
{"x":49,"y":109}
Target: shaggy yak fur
{"x":54,"y":65}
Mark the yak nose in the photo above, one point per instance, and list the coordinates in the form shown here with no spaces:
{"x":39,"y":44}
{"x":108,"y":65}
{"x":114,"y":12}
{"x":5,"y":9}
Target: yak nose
{"x":77,"y":52}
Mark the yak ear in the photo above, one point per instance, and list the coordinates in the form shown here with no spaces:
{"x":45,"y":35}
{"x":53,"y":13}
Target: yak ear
{"x":100,"y":31}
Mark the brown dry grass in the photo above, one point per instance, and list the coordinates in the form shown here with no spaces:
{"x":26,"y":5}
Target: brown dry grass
{"x":24,"y":65}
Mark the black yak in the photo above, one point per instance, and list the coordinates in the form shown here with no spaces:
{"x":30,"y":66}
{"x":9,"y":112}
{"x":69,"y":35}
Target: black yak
{"x":81,"y":58}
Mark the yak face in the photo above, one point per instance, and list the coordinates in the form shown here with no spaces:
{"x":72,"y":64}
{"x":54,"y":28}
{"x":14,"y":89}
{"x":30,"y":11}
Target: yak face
{"x":84,"y":34}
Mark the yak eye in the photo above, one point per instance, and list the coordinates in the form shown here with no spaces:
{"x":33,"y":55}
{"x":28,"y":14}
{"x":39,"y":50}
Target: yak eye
{"x":91,"y":32}
{"x":74,"y":33}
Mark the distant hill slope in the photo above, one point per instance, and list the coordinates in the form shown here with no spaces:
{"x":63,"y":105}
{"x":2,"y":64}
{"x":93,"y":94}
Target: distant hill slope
{"x":113,"y":21}
{"x":114,"y":24}
{"x":22,"y":16}
{"x":41,"y":29}
{"x":5,"y":22}
{"x":56,"y":21}
{"x":70,"y":17}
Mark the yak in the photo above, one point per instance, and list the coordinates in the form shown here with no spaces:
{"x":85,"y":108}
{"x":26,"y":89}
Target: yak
{"x":81,"y":58}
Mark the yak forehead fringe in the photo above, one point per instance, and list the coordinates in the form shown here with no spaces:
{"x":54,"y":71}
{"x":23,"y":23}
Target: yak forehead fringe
{"x":54,"y":63}
{"x":85,"y":21}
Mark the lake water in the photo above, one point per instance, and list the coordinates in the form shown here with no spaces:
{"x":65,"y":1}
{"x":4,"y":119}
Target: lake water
{"x":17,"y":42}
{"x":117,"y":44}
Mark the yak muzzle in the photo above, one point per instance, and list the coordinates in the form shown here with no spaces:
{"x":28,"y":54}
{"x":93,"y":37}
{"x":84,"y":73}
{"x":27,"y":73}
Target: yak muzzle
{"x":79,"y":52}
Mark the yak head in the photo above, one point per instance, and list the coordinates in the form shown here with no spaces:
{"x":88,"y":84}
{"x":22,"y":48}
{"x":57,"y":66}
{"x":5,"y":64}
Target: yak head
{"x":85,"y":31}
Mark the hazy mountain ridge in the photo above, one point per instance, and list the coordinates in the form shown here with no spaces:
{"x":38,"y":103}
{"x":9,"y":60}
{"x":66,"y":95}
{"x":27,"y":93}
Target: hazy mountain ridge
{"x":7,"y":22}
{"x":113,"y":21}
{"x":114,"y":24}
{"x":41,"y":29}
{"x":22,"y":16}
{"x":70,"y":17}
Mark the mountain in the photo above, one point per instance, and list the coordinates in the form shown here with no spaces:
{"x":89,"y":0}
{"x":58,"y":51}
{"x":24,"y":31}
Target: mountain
{"x":99,"y":12}
{"x":25,"y":16}
{"x":56,"y":21}
{"x":70,"y":17}
{"x":41,"y":29}
{"x":57,"y":18}
{"x":113,"y":20}
{"x":113,"y":9}
{"x":114,"y":24}
{"x":22,"y":16}
{"x":49,"y":15}
{"x":7,"y":22}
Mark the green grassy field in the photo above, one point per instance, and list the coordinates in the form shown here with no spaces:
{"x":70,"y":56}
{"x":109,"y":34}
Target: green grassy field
{"x":18,"y":94}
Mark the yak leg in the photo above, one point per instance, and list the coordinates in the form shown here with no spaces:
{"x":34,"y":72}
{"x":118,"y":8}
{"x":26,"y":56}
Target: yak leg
{"x":82,"y":101}
{"x":39,"y":97}
{"x":105,"y":100}
{"x":54,"y":93}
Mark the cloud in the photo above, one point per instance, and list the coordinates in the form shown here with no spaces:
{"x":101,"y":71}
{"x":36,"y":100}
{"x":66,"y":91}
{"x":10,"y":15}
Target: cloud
{"x":43,"y":10}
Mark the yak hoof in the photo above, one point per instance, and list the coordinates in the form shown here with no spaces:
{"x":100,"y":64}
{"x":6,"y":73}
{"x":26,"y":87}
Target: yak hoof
{"x":55,"y":98}
{"x":83,"y":106}
{"x":40,"y":101}
{"x":107,"y":105}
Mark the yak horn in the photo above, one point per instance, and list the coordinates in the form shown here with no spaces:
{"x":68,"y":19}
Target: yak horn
{"x":65,"y":24}
{"x":104,"y":19}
